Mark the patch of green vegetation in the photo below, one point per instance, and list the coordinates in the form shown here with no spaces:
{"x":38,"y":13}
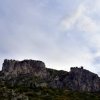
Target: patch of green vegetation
{"x":26,"y":93}
{"x":47,"y":94}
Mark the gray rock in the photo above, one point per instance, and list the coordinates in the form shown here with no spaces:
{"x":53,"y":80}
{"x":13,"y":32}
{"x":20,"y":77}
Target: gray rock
{"x":83,"y":80}
{"x":15,"y":68}
{"x":31,"y":73}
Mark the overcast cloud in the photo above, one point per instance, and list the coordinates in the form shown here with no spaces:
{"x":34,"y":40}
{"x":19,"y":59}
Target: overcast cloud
{"x":62,"y":33}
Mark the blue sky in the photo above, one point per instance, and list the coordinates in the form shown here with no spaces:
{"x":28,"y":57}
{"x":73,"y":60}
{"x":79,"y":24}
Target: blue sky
{"x":62,"y":33}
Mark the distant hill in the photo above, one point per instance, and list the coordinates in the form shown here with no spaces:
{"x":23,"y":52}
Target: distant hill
{"x":31,"y":80}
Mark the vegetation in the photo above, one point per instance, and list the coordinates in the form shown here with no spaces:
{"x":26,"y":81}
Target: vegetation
{"x":30,"y":80}
{"x":23,"y":93}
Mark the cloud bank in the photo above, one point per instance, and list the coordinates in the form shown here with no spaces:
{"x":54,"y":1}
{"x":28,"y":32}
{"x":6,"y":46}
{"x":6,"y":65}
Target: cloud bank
{"x":85,"y":21}
{"x":60,"y":33}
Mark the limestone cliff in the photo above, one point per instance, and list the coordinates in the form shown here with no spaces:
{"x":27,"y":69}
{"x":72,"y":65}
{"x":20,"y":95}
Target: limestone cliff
{"x":31,"y":73}
{"x":15,"y":68}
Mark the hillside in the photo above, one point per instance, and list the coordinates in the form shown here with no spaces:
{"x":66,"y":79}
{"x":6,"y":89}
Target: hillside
{"x":31,"y":80}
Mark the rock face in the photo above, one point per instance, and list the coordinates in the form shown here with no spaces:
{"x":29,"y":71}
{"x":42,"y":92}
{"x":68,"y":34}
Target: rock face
{"x":15,"y":68}
{"x":83,"y":80}
{"x":31,"y":73}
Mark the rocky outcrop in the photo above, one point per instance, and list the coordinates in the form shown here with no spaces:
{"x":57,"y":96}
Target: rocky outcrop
{"x":31,"y":73}
{"x":15,"y":68}
{"x":83,"y":80}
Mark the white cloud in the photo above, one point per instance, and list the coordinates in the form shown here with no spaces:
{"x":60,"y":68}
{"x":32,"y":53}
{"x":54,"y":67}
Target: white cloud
{"x":87,"y":25}
{"x":81,"y":19}
{"x":84,"y":21}
{"x":68,"y":22}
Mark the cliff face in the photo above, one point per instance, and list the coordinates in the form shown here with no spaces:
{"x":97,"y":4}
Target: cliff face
{"x":15,"y":68}
{"x":84,"y":80}
{"x":31,"y":73}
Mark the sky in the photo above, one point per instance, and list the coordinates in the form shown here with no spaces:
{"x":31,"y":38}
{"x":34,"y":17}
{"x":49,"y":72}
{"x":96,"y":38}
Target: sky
{"x":61,"y":33}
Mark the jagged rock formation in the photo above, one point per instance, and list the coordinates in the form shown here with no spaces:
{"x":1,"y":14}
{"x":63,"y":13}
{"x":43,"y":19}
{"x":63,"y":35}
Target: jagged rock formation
{"x":31,"y":73}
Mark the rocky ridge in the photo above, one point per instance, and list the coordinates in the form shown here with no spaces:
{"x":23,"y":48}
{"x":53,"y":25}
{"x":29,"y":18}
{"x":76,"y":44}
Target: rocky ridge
{"x":33,"y":74}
